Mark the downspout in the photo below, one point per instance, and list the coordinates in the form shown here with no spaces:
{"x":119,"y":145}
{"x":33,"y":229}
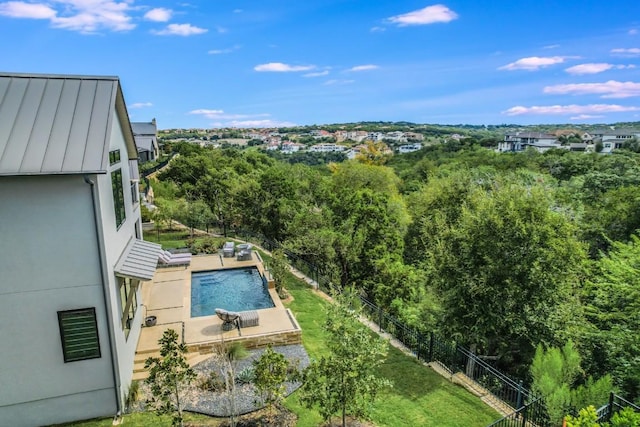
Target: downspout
{"x":115,"y":371}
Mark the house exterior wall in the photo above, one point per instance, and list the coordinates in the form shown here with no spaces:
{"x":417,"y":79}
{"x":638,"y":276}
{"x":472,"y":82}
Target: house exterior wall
{"x":49,"y":262}
{"x":115,"y":240}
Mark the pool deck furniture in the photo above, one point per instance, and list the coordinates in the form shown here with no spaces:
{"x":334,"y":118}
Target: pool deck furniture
{"x":249,"y":318}
{"x":244,"y":252}
{"x":168,"y":297}
{"x":229,"y":250}
{"x":167,"y":259}
{"x":229,"y":318}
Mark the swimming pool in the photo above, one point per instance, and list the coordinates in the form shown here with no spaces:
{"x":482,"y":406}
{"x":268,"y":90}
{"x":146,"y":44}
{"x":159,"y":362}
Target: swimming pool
{"x":238,"y":289}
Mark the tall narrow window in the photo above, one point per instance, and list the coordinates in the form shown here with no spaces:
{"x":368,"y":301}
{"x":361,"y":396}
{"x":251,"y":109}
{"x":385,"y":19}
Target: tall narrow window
{"x":128,"y":302}
{"x":118,"y":196}
{"x":79,"y":334}
{"x":114,"y":157}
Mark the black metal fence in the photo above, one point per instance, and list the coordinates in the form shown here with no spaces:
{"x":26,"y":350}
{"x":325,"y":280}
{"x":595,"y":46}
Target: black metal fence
{"x":616,"y":404}
{"x":532,"y":414}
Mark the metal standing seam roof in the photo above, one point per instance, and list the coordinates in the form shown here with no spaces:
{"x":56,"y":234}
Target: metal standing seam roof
{"x":59,"y":124}
{"x":138,"y":260}
{"x":144,"y":128}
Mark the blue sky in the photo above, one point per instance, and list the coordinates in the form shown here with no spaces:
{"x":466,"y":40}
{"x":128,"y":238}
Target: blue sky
{"x":217,"y":63}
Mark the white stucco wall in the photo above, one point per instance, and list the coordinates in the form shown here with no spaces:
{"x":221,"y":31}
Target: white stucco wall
{"x":115,"y":241}
{"x":49,"y":262}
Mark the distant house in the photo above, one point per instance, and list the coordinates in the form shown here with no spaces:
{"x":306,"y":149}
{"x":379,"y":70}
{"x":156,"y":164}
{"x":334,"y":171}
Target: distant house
{"x":291,"y":147}
{"x":613,"y":139}
{"x":146,"y":137}
{"x":72,"y":254}
{"x":327,"y":148}
{"x":520,"y":141}
{"x":409,"y":148}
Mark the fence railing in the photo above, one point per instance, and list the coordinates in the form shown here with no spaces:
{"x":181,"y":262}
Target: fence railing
{"x":616,"y":404}
{"x":533,"y":414}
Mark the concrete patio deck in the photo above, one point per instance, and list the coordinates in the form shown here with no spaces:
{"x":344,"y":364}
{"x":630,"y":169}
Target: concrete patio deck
{"x":168,"y":297}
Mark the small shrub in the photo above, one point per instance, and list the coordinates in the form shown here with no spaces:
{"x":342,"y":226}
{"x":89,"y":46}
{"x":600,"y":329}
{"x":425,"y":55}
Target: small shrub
{"x":132,"y":394}
{"x":626,"y":418}
{"x":211,"y":382}
{"x":205,"y":245}
{"x":246,"y":376}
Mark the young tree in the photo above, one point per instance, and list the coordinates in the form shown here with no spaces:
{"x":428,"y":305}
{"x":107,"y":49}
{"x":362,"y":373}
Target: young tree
{"x":228,"y":355}
{"x":556,"y":373}
{"x":279,"y":270}
{"x":168,"y":377}
{"x":345,"y":381}
{"x":270,"y":372}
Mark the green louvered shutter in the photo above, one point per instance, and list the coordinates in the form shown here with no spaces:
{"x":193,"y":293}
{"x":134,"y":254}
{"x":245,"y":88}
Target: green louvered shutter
{"x":79,"y":333}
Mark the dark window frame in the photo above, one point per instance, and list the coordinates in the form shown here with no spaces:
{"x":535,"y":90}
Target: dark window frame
{"x":69,"y":355}
{"x":114,"y":157}
{"x":118,"y":197}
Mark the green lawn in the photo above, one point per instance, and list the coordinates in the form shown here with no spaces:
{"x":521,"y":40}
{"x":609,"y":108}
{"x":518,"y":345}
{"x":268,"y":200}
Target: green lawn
{"x":168,"y":239}
{"x":419,"y":396}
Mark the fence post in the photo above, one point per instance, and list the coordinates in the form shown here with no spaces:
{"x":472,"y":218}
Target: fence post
{"x":524,"y":416}
{"x":519,"y":398}
{"x":430,"y":347}
{"x":610,"y":411}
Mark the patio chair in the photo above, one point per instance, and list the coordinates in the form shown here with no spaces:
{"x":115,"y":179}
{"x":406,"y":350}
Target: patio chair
{"x":244,"y":252}
{"x":229,"y":319}
{"x":228,"y":250}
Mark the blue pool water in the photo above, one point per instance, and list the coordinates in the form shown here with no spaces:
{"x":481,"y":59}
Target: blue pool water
{"x":238,"y":289}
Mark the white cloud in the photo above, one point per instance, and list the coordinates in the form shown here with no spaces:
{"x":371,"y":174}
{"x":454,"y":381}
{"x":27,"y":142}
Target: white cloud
{"x":631,"y":52}
{"x":533,"y":63}
{"x":140,"y":105}
{"x":569,"y":109}
{"x":259,"y":124}
{"x":428,"y":15}
{"x":238,"y":10}
{"x":610,"y":89}
{"x":591,"y":68}
{"x":159,"y":14}
{"x":363,"y":67}
{"x":633,"y":32}
{"x":551,"y":46}
{"x":221,"y":30}
{"x":586,"y":117}
{"x":595,"y":68}
{"x":238,"y":120}
{"x":222,"y":51}
{"x":279,"y":67}
{"x":19,"y":9}
{"x":180,"y":30}
{"x":318,"y":74}
{"x":85,"y":16}
{"x":377,"y":29}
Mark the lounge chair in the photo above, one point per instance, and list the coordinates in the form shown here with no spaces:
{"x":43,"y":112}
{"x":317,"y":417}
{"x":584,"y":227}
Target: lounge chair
{"x":168,"y":259}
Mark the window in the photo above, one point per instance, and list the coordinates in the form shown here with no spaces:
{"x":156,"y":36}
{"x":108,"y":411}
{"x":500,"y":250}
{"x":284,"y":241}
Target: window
{"x":128,"y":302}
{"x":114,"y":157}
{"x":118,"y":197}
{"x":79,"y":334}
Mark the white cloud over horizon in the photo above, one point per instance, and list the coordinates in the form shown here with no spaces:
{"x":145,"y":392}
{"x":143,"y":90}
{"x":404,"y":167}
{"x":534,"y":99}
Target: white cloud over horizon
{"x":609,"y":89}
{"x":569,"y":109}
{"x":591,"y":68}
{"x":183,"y":30}
{"x":338,"y":82}
{"x":533,"y":63}
{"x":279,"y":67}
{"x":586,"y":117}
{"x":159,"y":14}
{"x":437,"y":13}
{"x":238,"y":120}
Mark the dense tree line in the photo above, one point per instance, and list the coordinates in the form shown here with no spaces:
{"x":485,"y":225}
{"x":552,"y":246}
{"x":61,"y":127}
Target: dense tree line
{"x":502,"y":252}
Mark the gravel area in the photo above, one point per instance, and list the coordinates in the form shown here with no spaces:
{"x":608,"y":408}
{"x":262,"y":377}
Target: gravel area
{"x":247,"y":400}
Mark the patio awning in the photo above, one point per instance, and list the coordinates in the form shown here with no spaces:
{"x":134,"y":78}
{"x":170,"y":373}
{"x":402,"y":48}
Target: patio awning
{"x":138,"y":260}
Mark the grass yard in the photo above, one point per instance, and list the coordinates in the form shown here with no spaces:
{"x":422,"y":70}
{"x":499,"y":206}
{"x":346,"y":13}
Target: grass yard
{"x":419,"y":396}
{"x":168,"y":239}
